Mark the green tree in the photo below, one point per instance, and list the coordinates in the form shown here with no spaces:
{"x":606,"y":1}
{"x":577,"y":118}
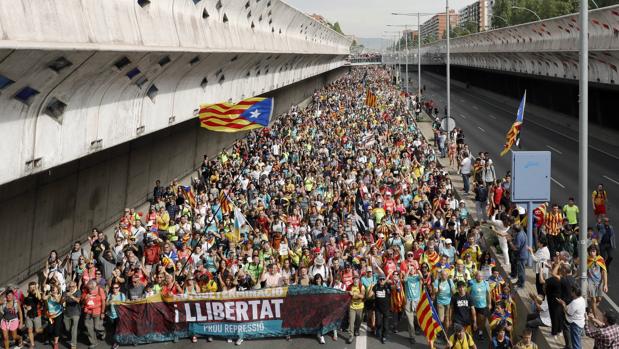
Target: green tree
{"x":544,"y":8}
{"x":336,"y":26}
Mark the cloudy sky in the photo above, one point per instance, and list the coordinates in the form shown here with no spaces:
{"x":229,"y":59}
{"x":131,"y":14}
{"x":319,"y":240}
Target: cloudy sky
{"x":368,"y":18}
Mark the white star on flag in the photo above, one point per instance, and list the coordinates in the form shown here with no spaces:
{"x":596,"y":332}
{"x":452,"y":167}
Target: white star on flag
{"x":254,"y":114}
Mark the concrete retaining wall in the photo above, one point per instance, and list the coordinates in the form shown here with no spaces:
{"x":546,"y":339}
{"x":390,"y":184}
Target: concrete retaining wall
{"x":50,"y":209}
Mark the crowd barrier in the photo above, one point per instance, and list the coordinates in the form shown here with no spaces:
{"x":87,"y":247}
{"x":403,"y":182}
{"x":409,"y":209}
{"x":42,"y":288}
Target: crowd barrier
{"x":270,"y":312}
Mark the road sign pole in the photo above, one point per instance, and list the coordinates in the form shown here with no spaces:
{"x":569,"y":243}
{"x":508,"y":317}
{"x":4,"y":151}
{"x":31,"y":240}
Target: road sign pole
{"x":583,"y":140}
{"x":530,"y":229}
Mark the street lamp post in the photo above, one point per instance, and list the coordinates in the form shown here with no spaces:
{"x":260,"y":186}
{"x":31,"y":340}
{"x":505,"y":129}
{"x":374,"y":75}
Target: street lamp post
{"x":501,"y":18}
{"x":583,"y":139}
{"x":418,"y":14}
{"x":527,"y":9}
{"x":448,"y":72}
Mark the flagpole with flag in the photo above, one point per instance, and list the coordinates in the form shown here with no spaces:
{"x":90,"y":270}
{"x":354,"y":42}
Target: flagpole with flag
{"x":428,"y":318}
{"x":513,"y":135}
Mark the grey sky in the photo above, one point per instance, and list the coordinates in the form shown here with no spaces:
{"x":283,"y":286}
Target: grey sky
{"x":368,"y":18}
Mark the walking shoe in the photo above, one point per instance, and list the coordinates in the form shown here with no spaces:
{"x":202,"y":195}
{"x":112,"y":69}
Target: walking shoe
{"x":383,"y":340}
{"x":356,"y":333}
{"x":194,"y":339}
{"x":334,"y":335}
{"x":209,"y":339}
{"x":229,"y":340}
{"x":239,"y":341}
{"x":412,"y":340}
{"x":115,"y":346}
{"x":349,"y":340}
{"x":321,"y":339}
{"x":288,"y":338}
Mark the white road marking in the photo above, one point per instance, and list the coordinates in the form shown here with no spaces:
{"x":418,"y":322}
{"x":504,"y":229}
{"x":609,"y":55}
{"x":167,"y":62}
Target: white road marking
{"x":492,"y":116}
{"x":361,"y":342}
{"x":482,"y":130}
{"x":557,"y":183}
{"x":475,"y":107}
{"x":555,"y":149}
{"x":463,"y":116}
{"x":612,"y":180}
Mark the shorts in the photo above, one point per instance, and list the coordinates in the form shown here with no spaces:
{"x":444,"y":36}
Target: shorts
{"x":9,"y":325}
{"x":33,"y":322}
{"x":594,"y":290}
{"x":599,"y":210}
{"x":482,"y":311}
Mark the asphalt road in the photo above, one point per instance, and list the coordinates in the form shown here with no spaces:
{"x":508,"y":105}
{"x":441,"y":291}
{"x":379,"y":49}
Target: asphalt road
{"x":394,"y":340}
{"x":485,"y":122}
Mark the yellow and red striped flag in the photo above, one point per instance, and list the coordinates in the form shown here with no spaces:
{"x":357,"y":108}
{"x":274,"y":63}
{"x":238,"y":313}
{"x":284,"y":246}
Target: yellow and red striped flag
{"x":513,"y":135}
{"x":370,"y":99}
{"x":428,"y":317}
{"x":224,"y":203}
{"x":246,"y":115}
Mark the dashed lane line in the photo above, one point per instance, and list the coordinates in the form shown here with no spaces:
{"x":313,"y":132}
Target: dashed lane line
{"x":554,"y":149}
{"x":557,"y":183}
{"x":612,"y":180}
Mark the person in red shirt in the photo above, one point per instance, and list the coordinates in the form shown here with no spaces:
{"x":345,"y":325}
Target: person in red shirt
{"x":93,"y":303}
{"x":152,"y":253}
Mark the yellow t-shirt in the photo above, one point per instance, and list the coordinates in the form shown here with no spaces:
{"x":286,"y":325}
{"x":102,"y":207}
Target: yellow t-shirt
{"x":465,"y":343}
{"x":356,"y":304}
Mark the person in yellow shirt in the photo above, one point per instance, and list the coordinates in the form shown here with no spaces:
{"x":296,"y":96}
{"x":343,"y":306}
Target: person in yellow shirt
{"x":355,"y":313}
{"x":461,"y":339}
{"x":163,"y":221}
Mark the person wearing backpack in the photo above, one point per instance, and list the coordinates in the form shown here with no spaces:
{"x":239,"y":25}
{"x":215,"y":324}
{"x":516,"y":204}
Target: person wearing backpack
{"x":112,"y":313}
{"x":11,"y":317}
{"x":93,"y":303}
{"x":481,"y":201}
{"x":443,"y":290}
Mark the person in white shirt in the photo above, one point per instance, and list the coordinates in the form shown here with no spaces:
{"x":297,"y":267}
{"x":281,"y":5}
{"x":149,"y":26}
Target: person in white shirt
{"x":465,"y":170}
{"x":541,"y":257}
{"x":500,"y":227}
{"x":575,"y":315}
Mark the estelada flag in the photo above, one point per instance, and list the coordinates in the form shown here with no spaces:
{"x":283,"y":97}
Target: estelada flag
{"x":597,"y":260}
{"x":428,"y":317}
{"x":370,"y":99}
{"x":189,"y":195}
{"x":513,"y":135}
{"x":245,"y":115}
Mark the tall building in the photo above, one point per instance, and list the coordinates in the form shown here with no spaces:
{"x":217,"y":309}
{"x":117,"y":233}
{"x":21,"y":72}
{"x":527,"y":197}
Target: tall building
{"x":435,"y":26}
{"x":412,"y":34}
{"x":479,"y":12}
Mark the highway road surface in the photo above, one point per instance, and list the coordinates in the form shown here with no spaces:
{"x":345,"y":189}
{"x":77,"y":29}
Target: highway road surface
{"x":485,"y":121}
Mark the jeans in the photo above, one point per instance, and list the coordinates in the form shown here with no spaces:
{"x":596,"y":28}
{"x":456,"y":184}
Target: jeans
{"x":575,"y":335}
{"x":71,"y":324}
{"x":411,"y":314}
{"x":94,"y":327}
{"x":520,"y":271}
{"x":480,"y":208}
{"x":465,"y":180}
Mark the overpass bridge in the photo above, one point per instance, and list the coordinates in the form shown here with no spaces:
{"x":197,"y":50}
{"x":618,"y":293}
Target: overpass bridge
{"x":98,"y":100}
{"x":547,"y":48}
